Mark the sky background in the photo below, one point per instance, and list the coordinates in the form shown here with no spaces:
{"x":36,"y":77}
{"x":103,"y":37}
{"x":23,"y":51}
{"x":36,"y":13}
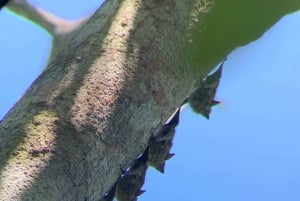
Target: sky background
{"x":248,"y":150}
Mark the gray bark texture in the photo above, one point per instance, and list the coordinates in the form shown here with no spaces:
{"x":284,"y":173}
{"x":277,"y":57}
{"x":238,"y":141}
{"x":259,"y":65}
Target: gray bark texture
{"x":116,"y":82}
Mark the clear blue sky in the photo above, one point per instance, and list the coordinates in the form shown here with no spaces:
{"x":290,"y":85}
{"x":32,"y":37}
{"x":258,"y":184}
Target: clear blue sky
{"x":249,"y":149}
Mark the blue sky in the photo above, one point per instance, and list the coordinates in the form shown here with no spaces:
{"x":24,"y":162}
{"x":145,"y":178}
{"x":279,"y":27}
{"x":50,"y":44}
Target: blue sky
{"x":248,"y":150}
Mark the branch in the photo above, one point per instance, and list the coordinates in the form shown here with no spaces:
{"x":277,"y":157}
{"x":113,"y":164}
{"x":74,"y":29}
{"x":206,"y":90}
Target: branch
{"x":84,"y":118}
{"x":118,"y":80}
{"x":60,"y":29}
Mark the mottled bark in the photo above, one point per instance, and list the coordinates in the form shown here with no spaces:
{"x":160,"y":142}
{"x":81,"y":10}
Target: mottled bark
{"x":96,"y":105}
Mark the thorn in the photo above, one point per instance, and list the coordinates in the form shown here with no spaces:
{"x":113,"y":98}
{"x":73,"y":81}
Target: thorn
{"x":215,"y":102}
{"x":169,"y":156}
{"x":140,"y":192}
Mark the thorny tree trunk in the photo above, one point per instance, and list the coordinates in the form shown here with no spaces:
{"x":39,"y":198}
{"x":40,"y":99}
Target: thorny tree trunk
{"x":96,"y":105}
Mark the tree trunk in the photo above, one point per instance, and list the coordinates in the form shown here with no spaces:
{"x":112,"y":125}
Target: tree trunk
{"x":96,"y":105}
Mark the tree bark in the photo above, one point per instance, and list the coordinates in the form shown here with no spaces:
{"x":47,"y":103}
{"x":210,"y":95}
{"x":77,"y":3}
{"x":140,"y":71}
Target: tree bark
{"x":98,"y":102}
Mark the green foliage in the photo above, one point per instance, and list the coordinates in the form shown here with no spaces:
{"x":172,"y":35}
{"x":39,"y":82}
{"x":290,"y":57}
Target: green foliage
{"x":233,"y":23}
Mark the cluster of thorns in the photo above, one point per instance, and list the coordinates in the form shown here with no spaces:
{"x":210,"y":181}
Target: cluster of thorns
{"x":129,"y":184}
